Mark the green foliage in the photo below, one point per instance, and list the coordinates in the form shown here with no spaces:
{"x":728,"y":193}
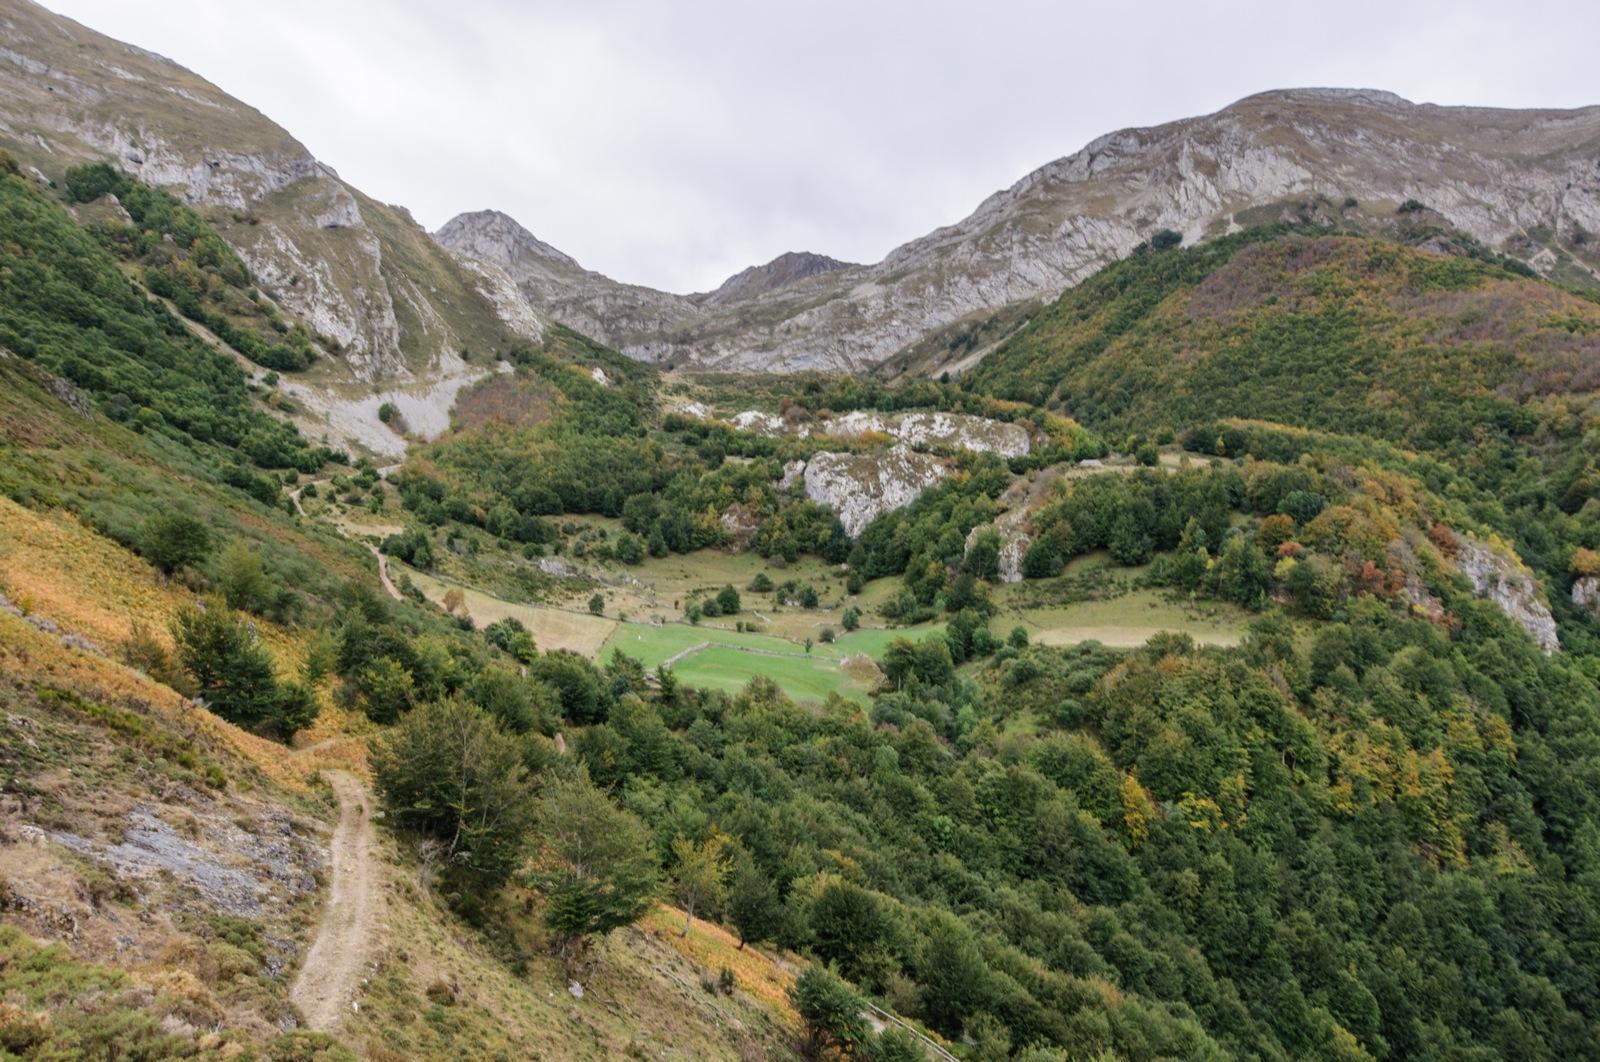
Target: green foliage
{"x":598,"y":871}
{"x":174,"y":540}
{"x":450,"y":772}
{"x":65,"y":305}
{"x":830,"y":1013}
{"x":754,"y":907}
{"x":232,"y":672}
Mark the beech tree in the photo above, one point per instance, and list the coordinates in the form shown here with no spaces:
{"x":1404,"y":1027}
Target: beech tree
{"x":597,"y":870}
{"x":702,"y":868}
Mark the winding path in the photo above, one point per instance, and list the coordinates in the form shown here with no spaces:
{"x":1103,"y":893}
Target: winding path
{"x":325,"y":988}
{"x":383,"y":561}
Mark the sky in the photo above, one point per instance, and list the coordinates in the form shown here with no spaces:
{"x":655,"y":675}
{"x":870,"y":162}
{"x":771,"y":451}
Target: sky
{"x":674,"y":142}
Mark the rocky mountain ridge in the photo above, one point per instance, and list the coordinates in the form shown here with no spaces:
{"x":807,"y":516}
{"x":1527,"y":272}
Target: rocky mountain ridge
{"x":391,"y":306}
{"x":1522,"y":181}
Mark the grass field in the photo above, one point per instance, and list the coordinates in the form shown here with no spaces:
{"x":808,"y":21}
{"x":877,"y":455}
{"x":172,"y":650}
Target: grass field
{"x":1129,"y":621}
{"x":802,"y":677}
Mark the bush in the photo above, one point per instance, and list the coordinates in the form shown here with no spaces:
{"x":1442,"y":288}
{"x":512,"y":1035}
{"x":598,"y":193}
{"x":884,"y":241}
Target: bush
{"x":830,"y":1012}
{"x":232,"y":672}
{"x":728,"y":601}
{"x":174,"y":540}
{"x":1165,"y":240}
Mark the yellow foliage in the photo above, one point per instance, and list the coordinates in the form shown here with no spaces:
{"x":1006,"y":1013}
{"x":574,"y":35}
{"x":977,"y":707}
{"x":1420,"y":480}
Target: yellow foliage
{"x":1136,"y":809}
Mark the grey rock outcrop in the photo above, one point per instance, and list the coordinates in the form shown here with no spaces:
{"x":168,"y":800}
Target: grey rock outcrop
{"x":1510,"y":585}
{"x":1586,"y":593}
{"x":778,"y":273}
{"x":918,"y":430}
{"x":862,"y":487}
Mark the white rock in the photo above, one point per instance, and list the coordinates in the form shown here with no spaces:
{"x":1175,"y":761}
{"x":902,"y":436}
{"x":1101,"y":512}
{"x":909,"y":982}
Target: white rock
{"x":862,"y":487}
{"x":1505,"y":581}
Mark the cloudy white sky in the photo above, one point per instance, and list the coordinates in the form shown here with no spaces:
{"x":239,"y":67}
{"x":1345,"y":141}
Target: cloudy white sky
{"x":673,"y":143}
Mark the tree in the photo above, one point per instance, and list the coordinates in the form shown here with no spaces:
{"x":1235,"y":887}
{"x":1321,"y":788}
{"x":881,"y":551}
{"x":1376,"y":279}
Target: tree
{"x":753,"y":904}
{"x":232,"y":672}
{"x":847,"y":923}
{"x":830,"y":1011}
{"x":516,"y":703}
{"x":173,"y":540}
{"x":1042,"y":560}
{"x":627,"y":549}
{"x":952,"y":972}
{"x":449,"y":771}
{"x":702,"y":868}
{"x":242,"y":581}
{"x":983,"y":558}
{"x":1242,"y":574}
{"x":387,"y":689}
{"x":597,"y":870}
{"x":1165,"y":240}
{"x":728,"y":601}
{"x":851,"y":618}
{"x":1130,"y":542}
{"x":597,"y":605}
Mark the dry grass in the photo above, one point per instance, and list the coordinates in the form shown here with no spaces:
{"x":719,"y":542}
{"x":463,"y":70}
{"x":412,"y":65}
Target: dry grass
{"x":714,"y":948}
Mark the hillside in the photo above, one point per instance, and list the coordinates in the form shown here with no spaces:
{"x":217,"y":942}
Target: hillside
{"x":1342,"y":333}
{"x":1183,"y":643}
{"x":381,"y":300}
{"x":1520,"y":182}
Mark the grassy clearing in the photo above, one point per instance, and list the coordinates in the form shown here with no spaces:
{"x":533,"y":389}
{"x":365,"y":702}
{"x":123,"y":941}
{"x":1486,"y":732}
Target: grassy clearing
{"x":801,"y":677}
{"x":552,"y":628}
{"x":1130,"y":620}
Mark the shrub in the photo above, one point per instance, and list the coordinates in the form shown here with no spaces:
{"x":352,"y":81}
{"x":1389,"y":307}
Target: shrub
{"x":174,"y":540}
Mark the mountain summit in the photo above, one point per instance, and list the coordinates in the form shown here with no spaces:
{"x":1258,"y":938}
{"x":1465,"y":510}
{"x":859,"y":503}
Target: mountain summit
{"x":782,"y":271}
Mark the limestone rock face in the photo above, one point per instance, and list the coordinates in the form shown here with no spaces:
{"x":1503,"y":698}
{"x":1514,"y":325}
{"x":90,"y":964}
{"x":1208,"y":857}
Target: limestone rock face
{"x":862,"y":487}
{"x":918,"y":430}
{"x":1499,"y":175}
{"x":1510,"y":585}
{"x":1586,"y":592}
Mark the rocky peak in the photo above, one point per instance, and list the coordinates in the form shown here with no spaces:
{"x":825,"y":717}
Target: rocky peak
{"x":496,"y":237}
{"x":782,"y":271}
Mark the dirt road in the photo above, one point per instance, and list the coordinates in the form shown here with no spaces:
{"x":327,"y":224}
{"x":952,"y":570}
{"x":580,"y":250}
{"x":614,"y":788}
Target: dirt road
{"x":331,"y":974}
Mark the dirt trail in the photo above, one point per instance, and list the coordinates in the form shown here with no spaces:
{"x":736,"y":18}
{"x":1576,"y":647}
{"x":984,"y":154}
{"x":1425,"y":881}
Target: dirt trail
{"x":326,"y":985}
{"x":383,"y":561}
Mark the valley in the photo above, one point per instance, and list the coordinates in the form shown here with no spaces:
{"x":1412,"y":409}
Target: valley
{"x":1157,"y":616}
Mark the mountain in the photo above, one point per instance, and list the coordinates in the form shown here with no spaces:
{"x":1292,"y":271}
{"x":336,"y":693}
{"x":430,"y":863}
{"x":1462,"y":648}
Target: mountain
{"x":386,"y":303}
{"x":626,"y":316}
{"x":778,"y":273}
{"x":1523,"y":181}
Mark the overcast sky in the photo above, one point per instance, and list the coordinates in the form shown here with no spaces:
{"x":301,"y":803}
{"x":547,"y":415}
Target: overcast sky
{"x":673,"y":143}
